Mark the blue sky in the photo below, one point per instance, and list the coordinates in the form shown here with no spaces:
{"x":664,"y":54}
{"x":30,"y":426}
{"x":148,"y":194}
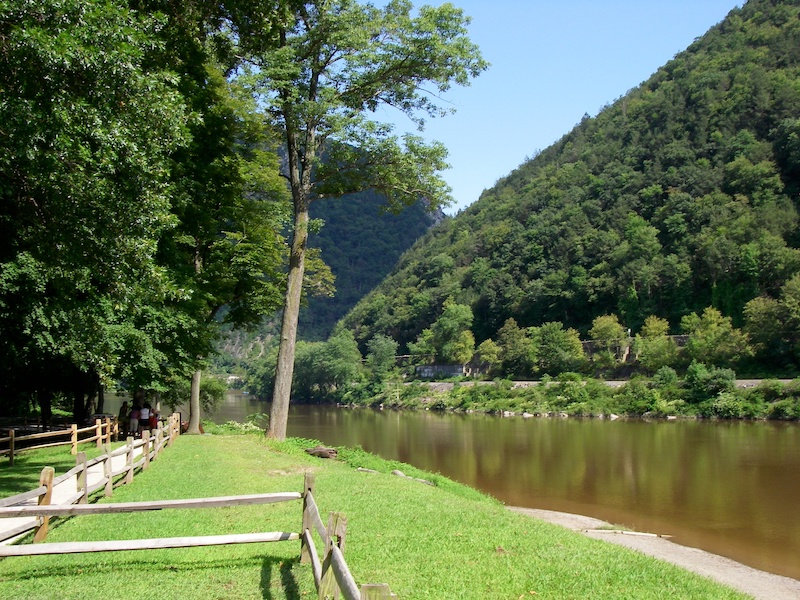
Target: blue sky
{"x":552,"y":62}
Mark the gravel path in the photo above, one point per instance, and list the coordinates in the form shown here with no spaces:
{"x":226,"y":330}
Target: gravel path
{"x":759,"y":584}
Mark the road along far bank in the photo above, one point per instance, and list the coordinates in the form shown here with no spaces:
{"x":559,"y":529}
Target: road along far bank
{"x":759,"y":584}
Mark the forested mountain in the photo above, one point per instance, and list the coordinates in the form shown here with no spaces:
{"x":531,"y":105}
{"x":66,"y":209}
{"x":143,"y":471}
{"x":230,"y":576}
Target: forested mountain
{"x":682,"y":194}
{"x":360,"y":241}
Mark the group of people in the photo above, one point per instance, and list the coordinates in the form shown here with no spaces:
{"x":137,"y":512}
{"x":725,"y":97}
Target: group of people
{"x":140,"y":417}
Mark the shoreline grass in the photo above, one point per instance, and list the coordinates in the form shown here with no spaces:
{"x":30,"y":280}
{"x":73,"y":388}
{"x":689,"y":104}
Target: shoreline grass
{"x":443,"y":541}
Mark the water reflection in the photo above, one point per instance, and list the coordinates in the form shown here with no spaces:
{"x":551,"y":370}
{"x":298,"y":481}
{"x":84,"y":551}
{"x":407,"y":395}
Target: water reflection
{"x":730,"y":488}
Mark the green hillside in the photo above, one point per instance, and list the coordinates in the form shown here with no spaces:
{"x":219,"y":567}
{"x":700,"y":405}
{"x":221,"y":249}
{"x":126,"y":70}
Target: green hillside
{"x":682,"y":194}
{"x":360,"y":242}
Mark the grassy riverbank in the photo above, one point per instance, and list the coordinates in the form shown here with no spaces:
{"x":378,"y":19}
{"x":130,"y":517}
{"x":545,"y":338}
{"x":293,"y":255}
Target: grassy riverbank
{"x":709,"y":394}
{"x":443,"y":541}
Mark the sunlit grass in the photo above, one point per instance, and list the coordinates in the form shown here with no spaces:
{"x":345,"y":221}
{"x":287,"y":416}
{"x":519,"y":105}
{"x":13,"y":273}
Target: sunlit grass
{"x":441,"y":542}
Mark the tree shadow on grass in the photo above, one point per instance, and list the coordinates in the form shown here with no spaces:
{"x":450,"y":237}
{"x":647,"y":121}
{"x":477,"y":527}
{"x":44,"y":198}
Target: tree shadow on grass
{"x":273,"y":566}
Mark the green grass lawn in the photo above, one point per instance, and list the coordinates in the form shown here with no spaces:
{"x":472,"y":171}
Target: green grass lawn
{"x":441,"y":542}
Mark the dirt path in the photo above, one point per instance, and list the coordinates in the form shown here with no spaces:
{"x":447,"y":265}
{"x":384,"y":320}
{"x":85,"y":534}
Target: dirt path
{"x":759,"y":584}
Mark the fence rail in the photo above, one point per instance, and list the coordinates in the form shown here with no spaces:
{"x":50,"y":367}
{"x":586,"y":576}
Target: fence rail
{"x":137,"y":456}
{"x":103,"y":431}
{"x":331,"y":573}
{"x":332,"y":576}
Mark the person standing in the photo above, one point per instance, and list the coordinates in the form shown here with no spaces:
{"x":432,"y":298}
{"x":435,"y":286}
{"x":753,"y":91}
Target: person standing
{"x":144,"y":417}
{"x":123,"y":420}
{"x":133,"y":421}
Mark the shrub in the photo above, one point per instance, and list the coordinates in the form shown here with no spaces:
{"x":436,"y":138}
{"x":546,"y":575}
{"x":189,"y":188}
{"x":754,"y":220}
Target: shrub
{"x":785,"y":410}
{"x":730,"y":405}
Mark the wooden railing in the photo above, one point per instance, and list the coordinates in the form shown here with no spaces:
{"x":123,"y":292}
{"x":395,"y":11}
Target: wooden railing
{"x":331,"y":573}
{"x":137,"y":456}
{"x":103,"y":431}
{"x":332,"y":576}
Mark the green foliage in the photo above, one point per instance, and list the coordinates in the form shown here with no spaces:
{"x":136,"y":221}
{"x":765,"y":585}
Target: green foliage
{"x":608,"y":330}
{"x":557,"y":349}
{"x":89,"y":126}
{"x":713,"y":339}
{"x":361,"y":242}
{"x":423,"y":350}
{"x":665,"y":376}
{"x":381,"y":352}
{"x":326,"y":69}
{"x":452,"y":340}
{"x":677,"y":197}
{"x":212,"y":392}
{"x":610,"y":339}
{"x":653,"y":346}
{"x":324,"y":371}
{"x":253,"y":425}
{"x":727,"y":405}
{"x":516,"y":350}
{"x":708,"y":382}
{"x":488,"y":352}
{"x":639,"y":398}
{"x":137,"y":200}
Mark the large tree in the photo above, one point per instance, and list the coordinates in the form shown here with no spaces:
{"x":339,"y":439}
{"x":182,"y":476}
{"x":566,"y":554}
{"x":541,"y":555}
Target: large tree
{"x":87,"y":129}
{"x":139,"y":205}
{"x":329,"y":67}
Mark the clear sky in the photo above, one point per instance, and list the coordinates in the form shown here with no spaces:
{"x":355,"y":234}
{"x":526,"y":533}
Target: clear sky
{"x":552,"y":62}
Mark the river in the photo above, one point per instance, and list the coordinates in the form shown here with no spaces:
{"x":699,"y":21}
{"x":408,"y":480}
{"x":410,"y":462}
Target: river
{"x":731,"y":488}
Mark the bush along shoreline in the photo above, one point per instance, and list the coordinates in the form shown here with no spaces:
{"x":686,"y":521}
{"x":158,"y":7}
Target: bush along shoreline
{"x":704,"y":392}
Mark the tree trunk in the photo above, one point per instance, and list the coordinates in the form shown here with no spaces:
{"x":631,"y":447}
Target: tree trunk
{"x":194,"y":404}
{"x":279,"y":414}
{"x":101,"y":397}
{"x":45,"y":400}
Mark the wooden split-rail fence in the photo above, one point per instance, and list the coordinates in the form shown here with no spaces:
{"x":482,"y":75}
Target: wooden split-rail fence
{"x":104,"y":472}
{"x":332,"y":576}
{"x":103,"y":431}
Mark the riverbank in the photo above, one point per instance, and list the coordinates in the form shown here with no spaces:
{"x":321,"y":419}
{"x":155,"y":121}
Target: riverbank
{"x":433,"y":541}
{"x":759,"y":584}
{"x":705,"y":392}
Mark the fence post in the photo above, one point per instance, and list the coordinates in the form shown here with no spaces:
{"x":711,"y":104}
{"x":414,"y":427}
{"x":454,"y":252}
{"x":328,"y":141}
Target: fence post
{"x":159,"y":442}
{"x":82,"y":478}
{"x":98,"y":432}
{"x":74,"y":437}
{"x":107,"y":438}
{"x":11,"y":447}
{"x":129,"y":460}
{"x":108,"y":470}
{"x":337,"y":527}
{"x":45,"y":479}
{"x":174,"y":427}
{"x":168,"y":432}
{"x":146,"y":448}
{"x":308,"y":488}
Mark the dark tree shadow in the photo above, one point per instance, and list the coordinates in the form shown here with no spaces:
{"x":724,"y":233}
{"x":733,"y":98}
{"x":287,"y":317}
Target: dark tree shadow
{"x":285,"y":567}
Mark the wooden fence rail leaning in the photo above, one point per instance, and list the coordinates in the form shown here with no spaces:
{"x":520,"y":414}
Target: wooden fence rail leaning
{"x":102,"y":432}
{"x":332,"y":576}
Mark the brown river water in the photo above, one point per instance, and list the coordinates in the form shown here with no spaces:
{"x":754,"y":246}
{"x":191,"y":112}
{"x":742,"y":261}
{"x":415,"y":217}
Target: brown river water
{"x":731,"y":488}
